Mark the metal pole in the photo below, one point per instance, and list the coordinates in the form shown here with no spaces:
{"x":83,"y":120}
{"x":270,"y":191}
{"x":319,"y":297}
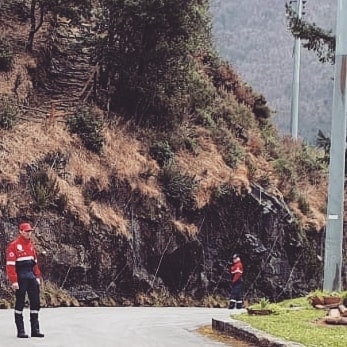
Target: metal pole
{"x":335,"y":209}
{"x":296,"y":81}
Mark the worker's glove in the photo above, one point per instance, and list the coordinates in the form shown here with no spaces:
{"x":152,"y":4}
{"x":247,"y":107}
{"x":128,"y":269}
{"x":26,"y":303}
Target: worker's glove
{"x":38,"y":281}
{"x":15,"y":286}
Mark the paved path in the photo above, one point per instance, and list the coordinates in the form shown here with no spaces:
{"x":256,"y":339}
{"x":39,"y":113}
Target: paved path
{"x":115,"y":327}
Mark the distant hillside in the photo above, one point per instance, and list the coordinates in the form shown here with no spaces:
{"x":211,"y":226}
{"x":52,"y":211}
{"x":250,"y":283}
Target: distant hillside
{"x":253,"y":36}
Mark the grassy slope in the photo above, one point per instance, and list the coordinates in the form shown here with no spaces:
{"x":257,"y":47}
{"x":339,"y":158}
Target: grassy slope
{"x":305,"y":325}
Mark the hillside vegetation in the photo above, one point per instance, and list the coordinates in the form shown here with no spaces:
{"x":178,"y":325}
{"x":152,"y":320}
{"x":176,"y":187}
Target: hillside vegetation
{"x":136,"y":151}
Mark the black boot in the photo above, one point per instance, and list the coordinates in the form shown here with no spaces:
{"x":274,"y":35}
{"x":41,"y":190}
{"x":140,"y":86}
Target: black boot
{"x":35,"y":327}
{"x":232,"y":304}
{"x":18,"y":318}
{"x":239,"y":304}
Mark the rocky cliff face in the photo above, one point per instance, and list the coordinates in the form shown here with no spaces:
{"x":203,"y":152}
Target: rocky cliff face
{"x":160,"y":262}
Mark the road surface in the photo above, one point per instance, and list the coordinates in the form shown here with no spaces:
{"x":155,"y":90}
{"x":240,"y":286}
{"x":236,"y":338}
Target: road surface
{"x":115,"y":327}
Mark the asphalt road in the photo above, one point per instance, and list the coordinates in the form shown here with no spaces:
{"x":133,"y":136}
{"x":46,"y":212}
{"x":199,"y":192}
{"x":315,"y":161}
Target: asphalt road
{"x":115,"y":327}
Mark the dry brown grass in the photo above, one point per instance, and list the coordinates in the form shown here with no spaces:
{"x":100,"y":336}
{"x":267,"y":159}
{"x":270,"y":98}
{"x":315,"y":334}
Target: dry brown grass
{"x":27,"y":143}
{"x":209,"y":169}
{"x":110,"y":217}
{"x":86,"y":165}
{"x":3,"y":199}
{"x":315,"y":193}
{"x":75,"y":200}
{"x":227,"y":340}
{"x":18,"y":76}
{"x":185,"y":228}
{"x":125,"y":158}
{"x":30,"y":142}
{"x":316,"y":198}
{"x":255,"y":143}
{"x":53,"y":296}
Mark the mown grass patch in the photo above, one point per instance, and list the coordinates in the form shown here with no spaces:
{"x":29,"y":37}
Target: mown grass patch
{"x":297,"y":321}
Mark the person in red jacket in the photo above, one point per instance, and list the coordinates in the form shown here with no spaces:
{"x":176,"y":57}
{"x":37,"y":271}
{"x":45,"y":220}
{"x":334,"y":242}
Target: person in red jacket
{"x":236,"y":271}
{"x":24,"y":275}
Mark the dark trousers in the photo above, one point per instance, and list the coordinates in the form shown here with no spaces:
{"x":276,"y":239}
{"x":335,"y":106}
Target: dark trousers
{"x":31,"y":287}
{"x":236,"y":295}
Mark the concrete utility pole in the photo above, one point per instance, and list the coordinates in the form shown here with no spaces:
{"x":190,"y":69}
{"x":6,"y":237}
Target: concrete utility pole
{"x":335,"y":209}
{"x":296,"y":80}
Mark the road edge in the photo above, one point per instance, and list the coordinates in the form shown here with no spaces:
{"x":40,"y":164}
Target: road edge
{"x":246,"y":332}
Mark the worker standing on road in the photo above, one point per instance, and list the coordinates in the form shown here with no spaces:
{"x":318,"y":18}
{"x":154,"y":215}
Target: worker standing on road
{"x":24,"y":275}
{"x":236,"y":271}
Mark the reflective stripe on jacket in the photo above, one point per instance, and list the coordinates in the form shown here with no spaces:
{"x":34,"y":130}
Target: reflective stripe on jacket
{"x":21,"y":260}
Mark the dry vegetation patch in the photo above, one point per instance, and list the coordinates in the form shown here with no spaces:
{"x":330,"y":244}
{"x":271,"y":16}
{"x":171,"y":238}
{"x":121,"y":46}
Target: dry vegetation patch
{"x":185,"y":228}
{"x":28,"y":142}
{"x":127,"y":158}
{"x":209,"y":169}
{"x":222,"y":338}
{"x":110,"y":217}
{"x":75,"y":200}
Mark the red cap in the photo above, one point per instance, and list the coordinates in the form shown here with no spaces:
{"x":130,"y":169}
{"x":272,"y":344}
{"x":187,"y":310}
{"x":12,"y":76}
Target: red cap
{"x":25,"y":227}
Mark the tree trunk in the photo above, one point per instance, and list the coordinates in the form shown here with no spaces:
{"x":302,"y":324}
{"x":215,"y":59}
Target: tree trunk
{"x":33,"y":27}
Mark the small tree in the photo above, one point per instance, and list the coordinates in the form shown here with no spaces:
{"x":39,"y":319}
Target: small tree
{"x":88,"y":128}
{"x":316,"y":39}
{"x":36,"y":5}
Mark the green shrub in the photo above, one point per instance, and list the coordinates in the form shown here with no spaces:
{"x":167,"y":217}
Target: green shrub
{"x":271,"y":140}
{"x":223,"y":191}
{"x":6,"y":55}
{"x":231,"y":112}
{"x":201,"y":90}
{"x":264,"y":181}
{"x":204,"y":118}
{"x":284,"y":168}
{"x":8,"y":115}
{"x":88,"y":128}
{"x":162,"y":153}
{"x":61,"y":203}
{"x":303,"y":204}
{"x":184,"y":138}
{"x":178,"y":188}
{"x":309,"y":163}
{"x":292,"y":195}
{"x":43,"y":190}
{"x":233,"y":154}
{"x":344,"y":298}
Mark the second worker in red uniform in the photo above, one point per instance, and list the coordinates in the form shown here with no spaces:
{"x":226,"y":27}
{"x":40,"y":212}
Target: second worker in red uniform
{"x":236,"y":271}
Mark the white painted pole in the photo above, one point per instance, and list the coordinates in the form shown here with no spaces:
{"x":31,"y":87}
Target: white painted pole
{"x":296,"y":81}
{"x":335,"y":210}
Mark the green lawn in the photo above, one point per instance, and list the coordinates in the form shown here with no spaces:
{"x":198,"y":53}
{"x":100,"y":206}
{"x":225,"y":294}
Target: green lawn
{"x":299,"y":325}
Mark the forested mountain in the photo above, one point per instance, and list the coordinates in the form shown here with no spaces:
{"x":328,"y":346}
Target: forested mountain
{"x":253,"y":36}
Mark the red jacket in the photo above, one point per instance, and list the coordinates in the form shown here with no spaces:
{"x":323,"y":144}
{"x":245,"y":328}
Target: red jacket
{"x":236,"y":271}
{"x":21,"y":260}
